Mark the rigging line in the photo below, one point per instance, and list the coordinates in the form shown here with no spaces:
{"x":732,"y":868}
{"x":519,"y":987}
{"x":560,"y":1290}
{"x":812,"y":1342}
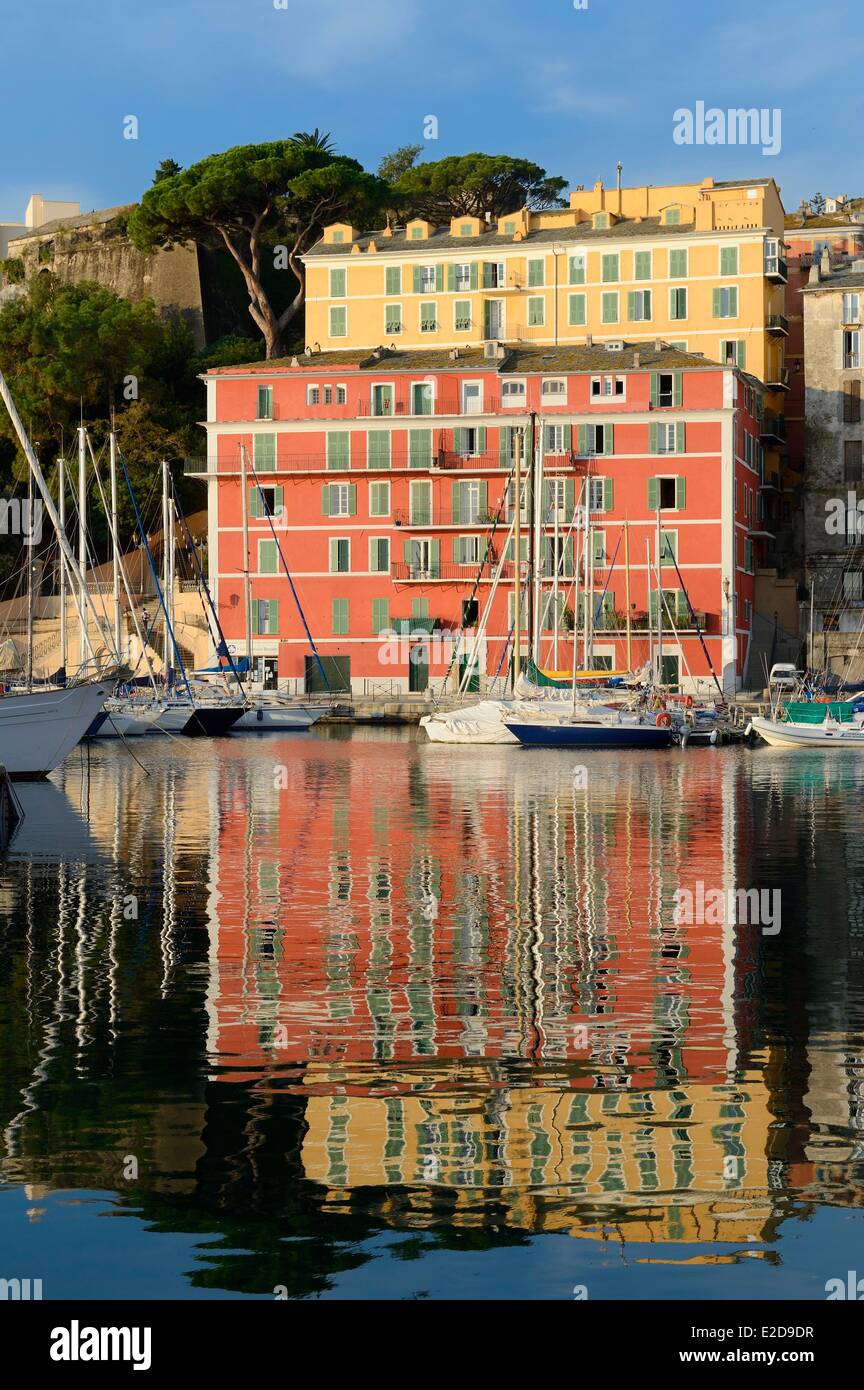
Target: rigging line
{"x":489,"y":539}
{"x":294,"y":593}
{"x":203,"y":585}
{"x":692,"y":613}
{"x":159,"y":593}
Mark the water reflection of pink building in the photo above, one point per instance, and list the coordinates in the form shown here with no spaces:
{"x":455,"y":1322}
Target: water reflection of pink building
{"x":489,"y":909}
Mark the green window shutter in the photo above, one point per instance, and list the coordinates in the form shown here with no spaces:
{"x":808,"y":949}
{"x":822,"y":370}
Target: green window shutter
{"x":568,"y":438}
{"x":599,"y":548}
{"x":380,"y":615}
{"x":417,"y":279}
{"x":608,"y":439}
{"x":655,"y":388}
{"x":352,"y":499}
{"x":406,"y":552}
{"x":729,"y":260}
{"x":680,"y":437}
{"x":279,"y":500}
{"x":393,"y":280}
{"x":680,"y":492}
{"x":677,"y":265}
{"x":582,"y":446}
{"x":264,"y":452}
{"x":631,"y":305}
{"x":325,"y":500}
{"x":733,"y":302}
{"x":451,"y":277}
{"x":678,"y":387}
{"x":481,"y":439}
{"x":607,"y":494}
{"x":503,"y":445}
{"x":568,"y":557}
{"x":652,"y":438}
{"x":338,"y":450}
{"x":652,"y":494}
{"x":439,"y":278}
{"x":273,"y":618}
{"x":419,"y":608}
{"x":535,"y":272}
{"x":333,"y":563}
{"x":455,"y":550}
{"x":474,"y":275}
{"x":484,"y":499}
{"x":455,"y":504}
{"x":339,"y":617}
{"x":435,"y":557}
{"x":419,"y":448}
{"x":378,"y":449}
{"x":337,"y":283}
{"x":255,"y":508}
{"x":577,"y":310}
{"x":642,"y":265}
{"x":569,"y":498}
{"x":458,"y":441}
{"x":715,"y":303}
{"x":653,"y":604}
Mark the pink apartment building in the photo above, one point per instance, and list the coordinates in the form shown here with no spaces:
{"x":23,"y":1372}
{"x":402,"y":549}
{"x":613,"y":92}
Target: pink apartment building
{"x":385,"y":479}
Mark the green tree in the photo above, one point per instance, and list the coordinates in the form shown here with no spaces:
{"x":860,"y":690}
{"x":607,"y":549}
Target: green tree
{"x":166,"y":169}
{"x":398,"y":162}
{"x":279,"y":195}
{"x":471,"y":185}
{"x":817,"y":203}
{"x":313,"y":140}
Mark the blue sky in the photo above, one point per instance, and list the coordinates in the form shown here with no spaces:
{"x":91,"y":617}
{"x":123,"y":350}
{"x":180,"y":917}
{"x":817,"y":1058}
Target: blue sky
{"x":574,"y":90}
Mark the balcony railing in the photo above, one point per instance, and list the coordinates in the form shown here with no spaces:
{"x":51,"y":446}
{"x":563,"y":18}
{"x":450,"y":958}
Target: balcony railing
{"x":776,"y":269}
{"x":777,"y":379}
{"x":445,"y":516}
{"x":773,"y":427}
{"x":407,"y":572}
{"x":778,"y":324}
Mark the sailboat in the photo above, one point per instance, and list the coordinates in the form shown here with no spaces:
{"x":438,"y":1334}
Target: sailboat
{"x":38,"y":729}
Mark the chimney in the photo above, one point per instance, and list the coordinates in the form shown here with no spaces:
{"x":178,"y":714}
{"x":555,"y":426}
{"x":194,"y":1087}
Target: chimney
{"x":825,"y":263}
{"x":636,"y":359}
{"x":589,"y":340}
{"x":814,"y":277}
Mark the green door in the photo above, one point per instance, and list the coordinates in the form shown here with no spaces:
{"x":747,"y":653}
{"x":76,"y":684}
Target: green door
{"x":418,"y":667}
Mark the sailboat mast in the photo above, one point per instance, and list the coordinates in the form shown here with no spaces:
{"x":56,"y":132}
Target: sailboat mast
{"x":115,"y":555}
{"x":659,"y":601}
{"x":627,"y":595}
{"x":86,"y":649}
{"x":517,"y":555}
{"x":166,"y":571}
{"x":28,"y":551}
{"x":61,"y":489}
{"x":247,"y":580}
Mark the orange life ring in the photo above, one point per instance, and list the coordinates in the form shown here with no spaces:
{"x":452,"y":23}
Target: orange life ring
{"x":664,"y":720}
{"x":688,"y":701}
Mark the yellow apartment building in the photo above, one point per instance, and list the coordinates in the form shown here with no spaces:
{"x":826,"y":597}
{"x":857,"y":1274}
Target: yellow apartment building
{"x":700,"y":266}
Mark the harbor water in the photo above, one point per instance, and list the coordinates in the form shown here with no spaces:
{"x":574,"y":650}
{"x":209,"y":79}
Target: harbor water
{"x":351,"y":1015}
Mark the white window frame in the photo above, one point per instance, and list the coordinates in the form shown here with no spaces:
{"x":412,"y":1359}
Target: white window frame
{"x":514,"y":399}
{"x":428,"y":304}
{"x":470,"y":381}
{"x":375,"y":541}
{"x":336,"y":490}
{"x":556,"y":396}
{"x":674,"y":291}
{"x":457,"y":328}
{"x":401,"y":328}
{"x":433,"y":388}
{"x":535,"y":299}
{"x":332,"y":548}
{"x":471,"y":542}
{"x":728,"y":290}
{"x":313,"y":393}
{"x":460,"y":287}
{"x":377,"y":386}
{"x":341,"y":393}
{"x":853,"y":299}
{"x":382,"y":483}
{"x":425,"y":272}
{"x":668,"y":429}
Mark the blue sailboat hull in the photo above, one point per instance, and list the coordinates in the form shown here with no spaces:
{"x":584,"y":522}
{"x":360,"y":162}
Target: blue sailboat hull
{"x":592,"y":735}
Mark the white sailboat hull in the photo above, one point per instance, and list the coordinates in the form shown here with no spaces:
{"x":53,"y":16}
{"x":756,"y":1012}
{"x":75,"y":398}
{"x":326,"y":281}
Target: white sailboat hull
{"x":267,"y":718}
{"x":483,"y":723}
{"x":39,"y":729}
{"x":827,"y":735}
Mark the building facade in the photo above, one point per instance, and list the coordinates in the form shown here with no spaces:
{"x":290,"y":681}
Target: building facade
{"x":833,"y":524}
{"x":384,"y":482}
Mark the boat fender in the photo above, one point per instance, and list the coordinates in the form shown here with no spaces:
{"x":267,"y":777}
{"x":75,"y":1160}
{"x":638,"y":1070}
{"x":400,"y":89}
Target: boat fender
{"x":664,"y":720}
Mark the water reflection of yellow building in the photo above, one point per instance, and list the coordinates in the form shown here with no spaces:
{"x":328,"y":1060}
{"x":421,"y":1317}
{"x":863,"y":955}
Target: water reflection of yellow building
{"x":688,"y":1164}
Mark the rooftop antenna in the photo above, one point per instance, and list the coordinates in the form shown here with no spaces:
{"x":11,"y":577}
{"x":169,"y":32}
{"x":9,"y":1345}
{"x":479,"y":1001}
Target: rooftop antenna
{"x":619,"y":168}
